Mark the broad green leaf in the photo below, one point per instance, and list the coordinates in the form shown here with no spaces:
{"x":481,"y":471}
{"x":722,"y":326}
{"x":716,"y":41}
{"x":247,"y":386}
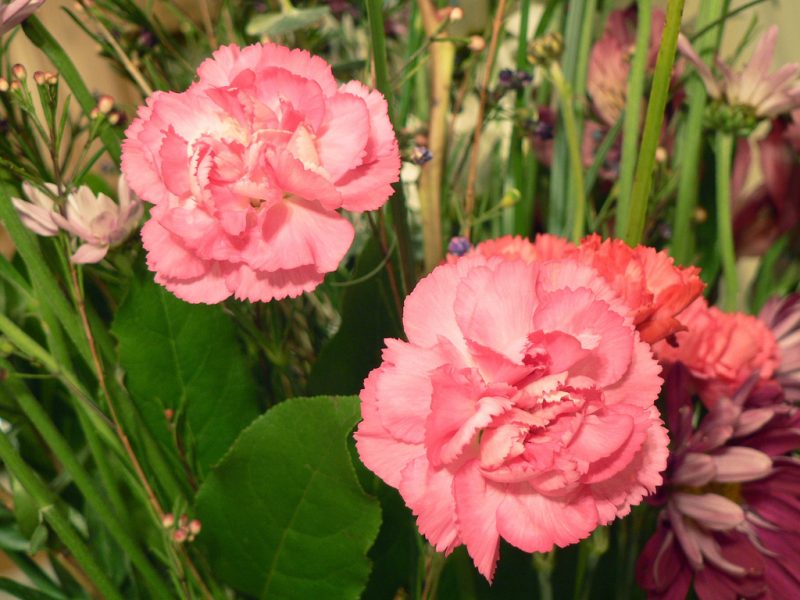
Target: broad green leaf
{"x":283,"y":513}
{"x":184,"y":357}
{"x":286,"y":22}
{"x":368,"y":317}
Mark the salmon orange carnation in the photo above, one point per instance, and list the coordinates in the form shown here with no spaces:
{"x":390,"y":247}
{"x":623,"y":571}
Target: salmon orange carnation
{"x":247,"y":169}
{"x":520,"y":408}
{"x":647,"y":281}
{"x":721,"y":350}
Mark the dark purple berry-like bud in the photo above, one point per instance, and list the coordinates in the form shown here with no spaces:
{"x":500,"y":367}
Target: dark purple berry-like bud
{"x":459,"y":246}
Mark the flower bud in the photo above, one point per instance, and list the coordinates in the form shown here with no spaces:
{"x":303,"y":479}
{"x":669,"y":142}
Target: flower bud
{"x":114,"y":117}
{"x":179,"y":536}
{"x":476,"y":43}
{"x":195,"y":526}
{"x":19,"y":72}
{"x":105,"y":104}
{"x":4,"y":84}
{"x":167,"y":521}
{"x":52,"y":78}
{"x":168,"y":414}
{"x":94,"y":113}
{"x":459,"y":246}
{"x":546,"y":49}
{"x":15,"y":86}
{"x":661,"y":154}
{"x":420,"y":155}
{"x":40,"y":77}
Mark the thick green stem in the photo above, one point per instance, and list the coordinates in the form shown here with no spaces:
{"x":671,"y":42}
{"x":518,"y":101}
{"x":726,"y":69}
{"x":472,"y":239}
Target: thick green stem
{"x":643,"y":178}
{"x":46,"y":504}
{"x":633,"y":112}
{"x":397,"y":203}
{"x":578,"y":204}
{"x":727,"y":250}
{"x":690,"y":140}
{"x":84,"y":482}
{"x":544,"y":563}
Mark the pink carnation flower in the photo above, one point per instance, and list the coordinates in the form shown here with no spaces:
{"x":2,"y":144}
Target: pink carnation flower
{"x":521,"y":407}
{"x":721,"y":350}
{"x":647,"y":281}
{"x":248,"y":168}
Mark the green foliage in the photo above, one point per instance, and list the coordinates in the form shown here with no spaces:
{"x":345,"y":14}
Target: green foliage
{"x":185,"y":358}
{"x":283,"y":514}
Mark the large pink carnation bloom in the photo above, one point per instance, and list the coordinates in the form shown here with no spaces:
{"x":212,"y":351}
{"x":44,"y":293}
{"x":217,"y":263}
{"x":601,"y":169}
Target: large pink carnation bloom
{"x":521,"y":407}
{"x":247,"y":169}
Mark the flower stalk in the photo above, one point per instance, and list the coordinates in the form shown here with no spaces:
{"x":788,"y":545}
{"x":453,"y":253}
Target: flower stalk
{"x":643,"y":178}
{"x":723,"y":154}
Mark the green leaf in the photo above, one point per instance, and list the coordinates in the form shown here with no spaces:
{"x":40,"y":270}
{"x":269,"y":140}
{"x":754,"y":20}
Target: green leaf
{"x":283,"y":514}
{"x":184,"y":357}
{"x":356,"y":348}
{"x":17,"y":590}
{"x":287,"y":22}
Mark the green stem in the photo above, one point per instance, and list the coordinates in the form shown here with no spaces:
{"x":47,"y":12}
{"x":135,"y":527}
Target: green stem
{"x":523,"y":210}
{"x":578,"y":205}
{"x":724,"y":153}
{"x":643,"y":178}
{"x":83,"y":481}
{"x":46,"y":503}
{"x":633,"y":111}
{"x":690,"y":140}
{"x":397,"y":203}
{"x":544,"y":563}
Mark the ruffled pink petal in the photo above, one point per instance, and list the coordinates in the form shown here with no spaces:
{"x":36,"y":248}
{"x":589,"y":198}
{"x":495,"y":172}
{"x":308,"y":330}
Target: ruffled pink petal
{"x":369,"y":185}
{"x":641,"y":383}
{"x":477,"y":501}
{"x":535,"y":523}
{"x":294,"y":178}
{"x":208,"y":288}
{"x":344,"y":134}
{"x":381,"y":452}
{"x":174,"y":157}
{"x":167,"y":256}
{"x":298,"y":234}
{"x":510,"y":284}
{"x":263,"y":286}
{"x":428,"y":493}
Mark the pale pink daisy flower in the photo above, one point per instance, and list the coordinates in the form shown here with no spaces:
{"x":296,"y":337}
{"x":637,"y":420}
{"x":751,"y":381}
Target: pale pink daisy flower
{"x":765,"y":94}
{"x":99,"y":221}
{"x":15,"y":12}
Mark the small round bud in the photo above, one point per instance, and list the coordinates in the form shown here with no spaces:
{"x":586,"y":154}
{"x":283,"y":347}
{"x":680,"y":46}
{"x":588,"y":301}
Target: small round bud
{"x":94,"y":113}
{"x":114,"y":117}
{"x":52,"y":78}
{"x":456,"y":13}
{"x":168,"y":520}
{"x":700,"y":214}
{"x":510,"y":198}
{"x":19,"y":72}
{"x":183,"y":521}
{"x":15,"y":86}
{"x":420,"y":155}
{"x":476,"y":43}
{"x":40,"y":77}
{"x":195,"y":526}
{"x":459,"y":246}
{"x":661,"y":154}
{"x":4,"y":87}
{"x":179,"y":536}
{"x":546,"y":49}
{"x":168,"y":414}
{"x":105,"y":104}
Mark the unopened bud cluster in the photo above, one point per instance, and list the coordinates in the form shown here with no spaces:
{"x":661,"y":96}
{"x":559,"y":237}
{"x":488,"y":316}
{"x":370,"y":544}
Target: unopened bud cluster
{"x":547,"y":49}
{"x":184,"y":530}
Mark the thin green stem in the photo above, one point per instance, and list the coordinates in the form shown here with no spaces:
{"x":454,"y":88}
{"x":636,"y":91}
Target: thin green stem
{"x":727,"y":250}
{"x":633,"y":111}
{"x":523,"y":211}
{"x":643,"y":178}
{"x":690,"y":140}
{"x":397,"y":203}
{"x":83,"y":481}
{"x":544,"y":563}
{"x":578,"y":205}
{"x":46,"y":504}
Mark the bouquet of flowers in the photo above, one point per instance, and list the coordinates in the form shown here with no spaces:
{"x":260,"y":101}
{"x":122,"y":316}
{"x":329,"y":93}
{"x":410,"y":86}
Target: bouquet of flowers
{"x":398,"y":300}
